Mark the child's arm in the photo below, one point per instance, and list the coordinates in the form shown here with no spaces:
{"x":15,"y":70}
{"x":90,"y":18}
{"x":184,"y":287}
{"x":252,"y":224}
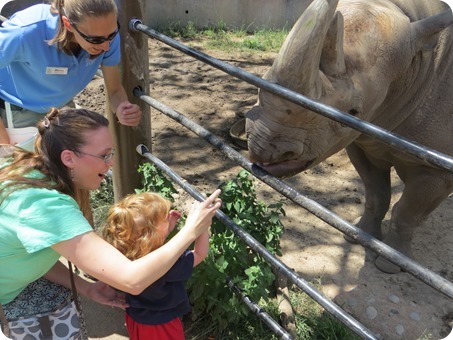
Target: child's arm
{"x":201,"y":248}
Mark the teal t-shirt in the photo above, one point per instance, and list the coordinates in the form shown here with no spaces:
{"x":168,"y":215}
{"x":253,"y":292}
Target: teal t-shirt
{"x":31,"y":221}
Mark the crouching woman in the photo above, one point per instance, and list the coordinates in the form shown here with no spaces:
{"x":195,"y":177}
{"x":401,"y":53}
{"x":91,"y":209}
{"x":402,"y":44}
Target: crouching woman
{"x":42,"y":216}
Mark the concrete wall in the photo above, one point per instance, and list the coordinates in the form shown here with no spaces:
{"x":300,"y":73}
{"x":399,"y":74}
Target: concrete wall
{"x":245,"y":14}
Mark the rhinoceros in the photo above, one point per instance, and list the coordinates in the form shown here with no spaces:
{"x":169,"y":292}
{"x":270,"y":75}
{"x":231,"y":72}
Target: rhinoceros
{"x":388,"y":62}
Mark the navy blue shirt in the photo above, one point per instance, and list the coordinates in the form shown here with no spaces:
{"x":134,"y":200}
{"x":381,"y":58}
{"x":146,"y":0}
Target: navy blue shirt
{"x":166,"y":298}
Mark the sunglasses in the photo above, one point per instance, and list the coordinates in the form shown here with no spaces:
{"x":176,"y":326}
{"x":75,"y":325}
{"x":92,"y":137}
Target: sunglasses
{"x":96,"y":40}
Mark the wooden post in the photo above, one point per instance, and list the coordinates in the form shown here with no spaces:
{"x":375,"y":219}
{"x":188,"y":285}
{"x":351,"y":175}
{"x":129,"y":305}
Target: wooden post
{"x":135,"y":72}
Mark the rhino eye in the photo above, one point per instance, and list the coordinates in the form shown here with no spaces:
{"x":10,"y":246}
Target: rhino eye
{"x":353,"y":112}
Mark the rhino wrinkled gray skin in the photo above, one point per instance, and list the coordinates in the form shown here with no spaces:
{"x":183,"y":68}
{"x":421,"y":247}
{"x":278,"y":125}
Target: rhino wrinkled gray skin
{"x":388,"y":62}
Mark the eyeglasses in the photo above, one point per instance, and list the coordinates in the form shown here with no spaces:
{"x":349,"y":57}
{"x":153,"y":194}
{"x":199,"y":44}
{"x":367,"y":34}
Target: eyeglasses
{"x":93,"y":39}
{"x":106,"y":158}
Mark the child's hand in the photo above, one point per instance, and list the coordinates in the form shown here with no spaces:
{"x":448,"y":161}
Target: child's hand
{"x":173,"y":218}
{"x":200,"y":215}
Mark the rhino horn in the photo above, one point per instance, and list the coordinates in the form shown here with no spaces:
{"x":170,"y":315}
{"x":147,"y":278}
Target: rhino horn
{"x":332,"y":58}
{"x":298,"y":62}
{"x":424,"y":31}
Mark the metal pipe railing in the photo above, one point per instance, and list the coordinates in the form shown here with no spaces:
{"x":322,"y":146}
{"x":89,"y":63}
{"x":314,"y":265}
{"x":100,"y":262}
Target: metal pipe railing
{"x":326,"y":303}
{"x":403,"y":144}
{"x":429,"y":277}
{"x":260,"y":312}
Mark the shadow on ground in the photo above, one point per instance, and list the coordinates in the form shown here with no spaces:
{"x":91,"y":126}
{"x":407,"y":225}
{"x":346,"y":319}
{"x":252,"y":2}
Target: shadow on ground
{"x":103,"y":321}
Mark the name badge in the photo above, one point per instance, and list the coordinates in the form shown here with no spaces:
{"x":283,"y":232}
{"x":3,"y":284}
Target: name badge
{"x":57,"y":70}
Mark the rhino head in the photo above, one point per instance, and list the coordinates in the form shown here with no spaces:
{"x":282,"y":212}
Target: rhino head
{"x":351,"y":55}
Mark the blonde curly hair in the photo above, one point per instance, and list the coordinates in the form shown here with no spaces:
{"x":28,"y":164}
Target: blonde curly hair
{"x":131,"y":225}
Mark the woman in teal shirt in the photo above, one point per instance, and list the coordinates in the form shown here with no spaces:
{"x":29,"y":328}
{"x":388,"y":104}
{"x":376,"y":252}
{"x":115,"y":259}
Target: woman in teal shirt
{"x":42,"y":217}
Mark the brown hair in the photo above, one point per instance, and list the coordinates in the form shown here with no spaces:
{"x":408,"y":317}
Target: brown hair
{"x":77,"y":10}
{"x":59,"y":130}
{"x":131,"y":224}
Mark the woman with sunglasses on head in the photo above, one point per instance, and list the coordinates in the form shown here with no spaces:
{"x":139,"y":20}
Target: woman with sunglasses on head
{"x":49,"y":53}
{"x":42,"y":217}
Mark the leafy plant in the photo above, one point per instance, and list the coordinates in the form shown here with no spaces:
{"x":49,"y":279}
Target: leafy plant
{"x":231,"y":257}
{"x":154,"y":180}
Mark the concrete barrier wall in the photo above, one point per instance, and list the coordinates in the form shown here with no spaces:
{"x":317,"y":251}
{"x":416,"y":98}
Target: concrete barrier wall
{"x":245,"y":14}
{"x":241,"y":14}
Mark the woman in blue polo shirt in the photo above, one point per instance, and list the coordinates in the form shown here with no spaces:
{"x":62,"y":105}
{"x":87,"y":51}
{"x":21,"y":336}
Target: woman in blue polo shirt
{"x":49,"y":53}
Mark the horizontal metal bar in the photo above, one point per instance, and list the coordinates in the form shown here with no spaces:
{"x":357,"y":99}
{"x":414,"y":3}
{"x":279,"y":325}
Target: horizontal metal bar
{"x":403,"y":144}
{"x":258,"y":311}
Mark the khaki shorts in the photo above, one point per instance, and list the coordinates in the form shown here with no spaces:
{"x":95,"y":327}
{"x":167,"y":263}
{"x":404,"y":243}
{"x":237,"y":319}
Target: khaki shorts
{"x":24,"y":118}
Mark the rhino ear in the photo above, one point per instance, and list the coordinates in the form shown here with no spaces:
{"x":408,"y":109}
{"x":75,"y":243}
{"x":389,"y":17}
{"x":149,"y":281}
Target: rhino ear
{"x":332,"y":57}
{"x":425,"y":31}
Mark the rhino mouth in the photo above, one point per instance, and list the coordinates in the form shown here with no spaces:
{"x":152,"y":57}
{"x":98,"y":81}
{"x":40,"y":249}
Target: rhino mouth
{"x":286,"y":168}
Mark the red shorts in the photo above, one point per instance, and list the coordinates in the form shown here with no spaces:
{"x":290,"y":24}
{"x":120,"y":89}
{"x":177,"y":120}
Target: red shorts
{"x":171,"y":330}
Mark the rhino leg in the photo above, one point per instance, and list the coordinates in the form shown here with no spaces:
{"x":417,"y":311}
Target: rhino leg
{"x":424,"y":190}
{"x":377,"y":191}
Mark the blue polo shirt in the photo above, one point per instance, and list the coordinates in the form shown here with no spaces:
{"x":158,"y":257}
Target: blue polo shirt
{"x":36,"y":76}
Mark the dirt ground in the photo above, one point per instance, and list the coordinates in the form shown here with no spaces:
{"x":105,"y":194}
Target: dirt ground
{"x":393,"y":306}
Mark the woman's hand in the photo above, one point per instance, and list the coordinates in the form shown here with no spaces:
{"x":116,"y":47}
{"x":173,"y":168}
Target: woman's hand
{"x":128,"y":114}
{"x":200,"y":215}
{"x":106,"y":295}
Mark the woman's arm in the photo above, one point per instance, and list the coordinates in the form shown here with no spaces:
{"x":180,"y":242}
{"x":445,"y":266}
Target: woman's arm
{"x":99,"y":259}
{"x":4,"y":137}
{"x":127,"y":113}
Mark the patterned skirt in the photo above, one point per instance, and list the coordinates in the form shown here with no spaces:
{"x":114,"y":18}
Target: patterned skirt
{"x":40,"y":296}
